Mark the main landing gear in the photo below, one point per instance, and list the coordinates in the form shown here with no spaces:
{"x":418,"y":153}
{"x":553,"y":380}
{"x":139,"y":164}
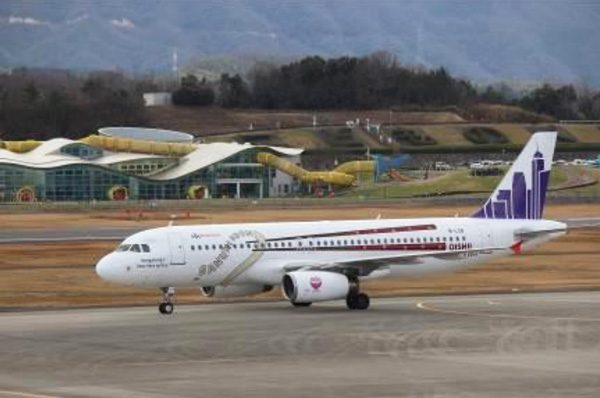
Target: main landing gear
{"x":355,"y":299}
{"x":358,"y":301}
{"x":166,"y":305}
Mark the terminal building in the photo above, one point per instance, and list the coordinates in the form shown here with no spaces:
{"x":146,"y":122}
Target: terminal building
{"x":150,"y":164}
{"x":139,"y":164}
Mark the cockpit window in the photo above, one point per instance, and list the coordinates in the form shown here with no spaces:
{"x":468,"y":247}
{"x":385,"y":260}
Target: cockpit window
{"x":123,"y":248}
{"x":135,"y":248}
{"x":145,"y":248}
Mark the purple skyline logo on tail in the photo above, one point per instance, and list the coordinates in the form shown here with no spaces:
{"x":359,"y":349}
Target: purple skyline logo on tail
{"x":521,"y":196}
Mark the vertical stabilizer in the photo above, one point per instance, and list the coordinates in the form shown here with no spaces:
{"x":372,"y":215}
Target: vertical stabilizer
{"x":522,"y":192}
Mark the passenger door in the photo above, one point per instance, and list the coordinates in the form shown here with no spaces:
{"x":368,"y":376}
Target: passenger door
{"x":177,"y":248}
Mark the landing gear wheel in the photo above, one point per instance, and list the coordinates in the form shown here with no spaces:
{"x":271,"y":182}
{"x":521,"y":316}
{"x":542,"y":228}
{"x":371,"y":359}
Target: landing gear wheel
{"x":358,"y":301}
{"x":362,"y":301}
{"x":301,"y":304}
{"x":166,"y":306}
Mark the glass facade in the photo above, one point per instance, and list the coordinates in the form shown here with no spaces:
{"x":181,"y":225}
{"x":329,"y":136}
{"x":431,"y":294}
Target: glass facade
{"x":144,"y":166}
{"x":238,"y":175}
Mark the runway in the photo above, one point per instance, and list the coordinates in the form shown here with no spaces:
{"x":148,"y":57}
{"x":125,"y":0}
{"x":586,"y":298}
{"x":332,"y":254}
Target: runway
{"x":533,"y":345}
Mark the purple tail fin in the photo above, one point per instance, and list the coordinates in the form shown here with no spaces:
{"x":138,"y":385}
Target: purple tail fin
{"x":522,"y":192}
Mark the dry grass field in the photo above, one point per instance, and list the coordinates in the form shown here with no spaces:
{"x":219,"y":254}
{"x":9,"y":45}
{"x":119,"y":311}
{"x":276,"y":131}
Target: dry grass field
{"x":202,"y":121}
{"x":54,"y":275}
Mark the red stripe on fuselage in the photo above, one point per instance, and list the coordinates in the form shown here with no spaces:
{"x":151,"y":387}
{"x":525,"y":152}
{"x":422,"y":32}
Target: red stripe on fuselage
{"x":391,"y":247}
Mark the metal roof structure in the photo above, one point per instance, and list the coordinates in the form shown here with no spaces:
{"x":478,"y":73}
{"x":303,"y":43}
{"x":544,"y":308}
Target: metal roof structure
{"x":207,"y":154}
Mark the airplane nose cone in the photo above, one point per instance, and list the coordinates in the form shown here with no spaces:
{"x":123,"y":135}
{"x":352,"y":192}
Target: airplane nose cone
{"x":105,"y":269}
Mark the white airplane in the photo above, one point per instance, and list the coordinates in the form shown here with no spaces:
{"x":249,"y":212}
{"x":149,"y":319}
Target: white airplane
{"x":326,"y":260}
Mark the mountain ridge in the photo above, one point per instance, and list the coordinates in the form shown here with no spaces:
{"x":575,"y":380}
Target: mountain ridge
{"x":485,"y":41}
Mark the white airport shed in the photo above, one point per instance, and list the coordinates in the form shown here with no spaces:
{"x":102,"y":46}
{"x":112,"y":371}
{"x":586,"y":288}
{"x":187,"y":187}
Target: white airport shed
{"x":157,"y":99}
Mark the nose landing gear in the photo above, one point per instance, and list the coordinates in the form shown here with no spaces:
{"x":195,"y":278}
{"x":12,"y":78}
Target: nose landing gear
{"x":166,"y":305}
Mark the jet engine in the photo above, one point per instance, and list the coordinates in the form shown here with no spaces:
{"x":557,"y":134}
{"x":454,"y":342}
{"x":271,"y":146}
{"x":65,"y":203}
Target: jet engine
{"x":313,"y":286}
{"x":234,"y":290}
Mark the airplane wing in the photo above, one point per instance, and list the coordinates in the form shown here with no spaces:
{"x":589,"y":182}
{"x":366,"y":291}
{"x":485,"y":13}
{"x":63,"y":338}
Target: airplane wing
{"x":366,"y":266}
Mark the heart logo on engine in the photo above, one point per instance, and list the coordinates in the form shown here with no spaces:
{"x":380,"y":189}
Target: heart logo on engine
{"x":316,"y":282}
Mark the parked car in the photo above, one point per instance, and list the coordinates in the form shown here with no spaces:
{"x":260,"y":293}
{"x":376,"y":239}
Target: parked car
{"x":442,"y":166}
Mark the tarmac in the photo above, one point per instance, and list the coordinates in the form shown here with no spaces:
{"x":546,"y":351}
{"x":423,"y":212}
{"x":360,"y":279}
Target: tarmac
{"x":526,"y":345}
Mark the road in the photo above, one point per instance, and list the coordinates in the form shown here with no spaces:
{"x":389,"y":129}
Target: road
{"x":530,"y":345}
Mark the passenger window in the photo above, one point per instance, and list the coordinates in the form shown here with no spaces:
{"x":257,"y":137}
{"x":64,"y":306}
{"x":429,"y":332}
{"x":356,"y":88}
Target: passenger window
{"x":206,"y":247}
{"x":199,"y":247}
{"x":193,"y":247}
{"x":214,"y":247}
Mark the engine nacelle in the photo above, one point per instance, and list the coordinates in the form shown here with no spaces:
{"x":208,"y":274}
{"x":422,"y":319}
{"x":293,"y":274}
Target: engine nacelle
{"x":234,"y":290}
{"x":313,"y":286}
